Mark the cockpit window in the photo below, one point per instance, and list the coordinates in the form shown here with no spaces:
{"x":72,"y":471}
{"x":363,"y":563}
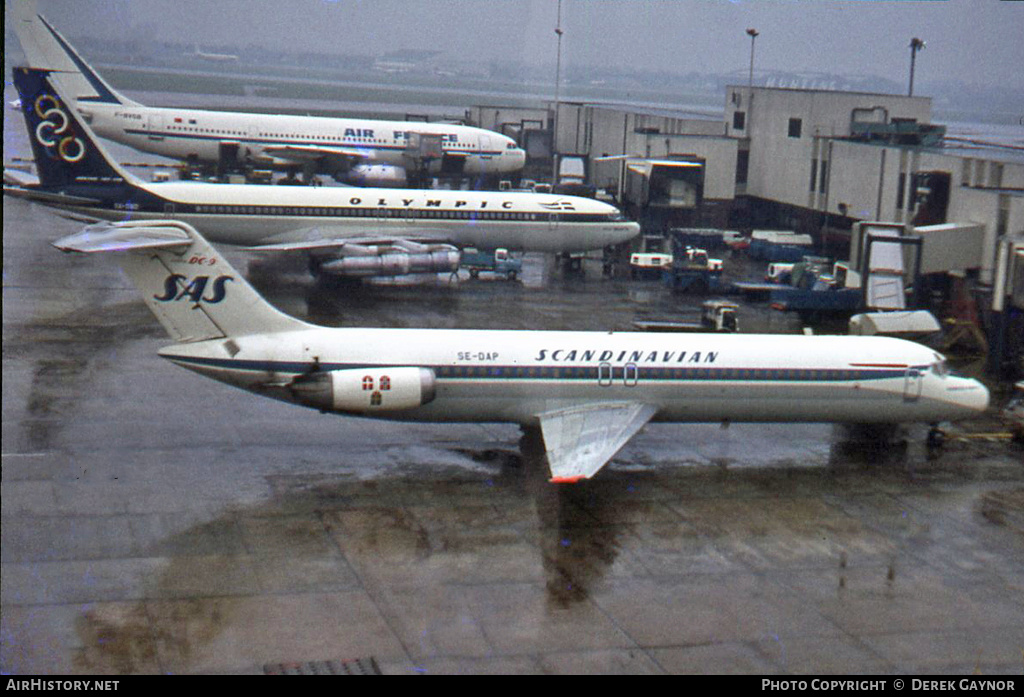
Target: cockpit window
{"x":940,"y":368}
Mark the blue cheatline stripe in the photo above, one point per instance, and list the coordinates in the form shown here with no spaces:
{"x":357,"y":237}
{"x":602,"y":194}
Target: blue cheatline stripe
{"x":583,"y":373}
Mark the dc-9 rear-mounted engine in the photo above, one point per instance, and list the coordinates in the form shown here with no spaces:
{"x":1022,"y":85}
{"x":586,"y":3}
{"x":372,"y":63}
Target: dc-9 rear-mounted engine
{"x":365,"y":390}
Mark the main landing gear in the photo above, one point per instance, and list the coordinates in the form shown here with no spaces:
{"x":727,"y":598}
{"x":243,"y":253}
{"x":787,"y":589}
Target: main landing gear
{"x":936,"y":437}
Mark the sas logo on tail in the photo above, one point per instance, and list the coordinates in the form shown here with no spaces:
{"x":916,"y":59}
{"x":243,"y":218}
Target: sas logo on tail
{"x":54,"y":132}
{"x":177,"y":287}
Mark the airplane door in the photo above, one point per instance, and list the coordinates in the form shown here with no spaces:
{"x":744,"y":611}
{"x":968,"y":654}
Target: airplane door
{"x":452,"y":165}
{"x":552,"y":224}
{"x":383,"y":215}
{"x":630,"y":375}
{"x":253,"y":144}
{"x":604,"y":374}
{"x":155,"y":126}
{"x":485,"y":146}
{"x":912,"y":383}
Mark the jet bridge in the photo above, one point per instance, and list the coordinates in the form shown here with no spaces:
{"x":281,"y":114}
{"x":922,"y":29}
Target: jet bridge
{"x":1006,"y":333}
{"x":665,"y":192}
{"x":888,"y":260}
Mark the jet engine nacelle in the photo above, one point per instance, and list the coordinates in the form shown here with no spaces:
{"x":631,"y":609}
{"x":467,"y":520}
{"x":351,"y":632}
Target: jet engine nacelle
{"x":365,"y":391}
{"x":396,"y":263}
{"x":375,"y":175}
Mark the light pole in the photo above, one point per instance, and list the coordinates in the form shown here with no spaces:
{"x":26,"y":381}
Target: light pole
{"x":752,"y":33}
{"x":558,"y":85}
{"x":916,"y":45}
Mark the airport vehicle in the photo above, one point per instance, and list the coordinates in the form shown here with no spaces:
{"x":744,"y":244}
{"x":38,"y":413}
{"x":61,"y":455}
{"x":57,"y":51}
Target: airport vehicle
{"x":649,"y":264}
{"x":814,"y":292}
{"x":715,"y":316}
{"x":779,"y":272}
{"x":587,"y":392}
{"x":778,"y":245}
{"x":358,"y":151}
{"x":500,"y":262}
{"x":693,"y":271}
{"x":346,"y":231}
{"x":735,"y":241}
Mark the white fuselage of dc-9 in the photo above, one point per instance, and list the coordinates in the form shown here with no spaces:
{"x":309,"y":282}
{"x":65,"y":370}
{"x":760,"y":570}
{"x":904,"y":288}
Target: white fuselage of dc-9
{"x":589,"y":392}
{"x":512,"y":376}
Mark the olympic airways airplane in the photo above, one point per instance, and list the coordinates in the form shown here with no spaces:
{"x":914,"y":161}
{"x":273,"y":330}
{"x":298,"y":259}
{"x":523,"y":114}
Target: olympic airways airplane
{"x":358,"y":151}
{"x":589,"y":392}
{"x":346,"y":231}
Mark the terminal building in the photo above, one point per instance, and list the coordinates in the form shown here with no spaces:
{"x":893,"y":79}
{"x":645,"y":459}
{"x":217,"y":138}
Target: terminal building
{"x":806,"y":160}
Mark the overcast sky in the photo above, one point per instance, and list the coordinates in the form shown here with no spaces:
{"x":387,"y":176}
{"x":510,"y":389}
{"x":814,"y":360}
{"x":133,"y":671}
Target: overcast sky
{"x":979,"y":41}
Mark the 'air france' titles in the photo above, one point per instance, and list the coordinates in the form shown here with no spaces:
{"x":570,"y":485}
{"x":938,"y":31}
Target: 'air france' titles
{"x":367,"y":133}
{"x":610,"y":356}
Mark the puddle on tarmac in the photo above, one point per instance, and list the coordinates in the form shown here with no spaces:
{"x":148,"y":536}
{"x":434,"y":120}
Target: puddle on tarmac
{"x":403,"y":538}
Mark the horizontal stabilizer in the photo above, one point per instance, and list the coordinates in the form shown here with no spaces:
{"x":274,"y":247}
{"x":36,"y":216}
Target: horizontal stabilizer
{"x":190,"y":287}
{"x":580,"y":440}
{"x":108,"y":237}
{"x":30,"y":194}
{"x":19,"y":178}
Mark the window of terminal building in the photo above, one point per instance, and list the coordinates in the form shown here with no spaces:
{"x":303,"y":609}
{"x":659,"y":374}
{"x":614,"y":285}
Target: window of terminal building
{"x":995,"y":175}
{"x":739,"y":120}
{"x":795,"y":126}
{"x":1003,"y":218}
{"x":742,"y":166}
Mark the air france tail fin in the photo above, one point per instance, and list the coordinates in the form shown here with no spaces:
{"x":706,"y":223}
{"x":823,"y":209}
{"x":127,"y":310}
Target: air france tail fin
{"x":65,"y":148}
{"x":46,"y":49}
{"x":189,"y":286}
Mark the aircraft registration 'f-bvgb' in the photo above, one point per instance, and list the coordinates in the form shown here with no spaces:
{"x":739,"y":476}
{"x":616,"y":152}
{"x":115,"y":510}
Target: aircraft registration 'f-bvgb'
{"x":346,"y":231}
{"x":589,"y":392}
{"x":363,"y":151}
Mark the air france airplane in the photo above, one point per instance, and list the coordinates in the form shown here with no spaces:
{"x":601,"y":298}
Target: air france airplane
{"x":347,"y":231}
{"x":589,"y":392}
{"x":361,"y":151}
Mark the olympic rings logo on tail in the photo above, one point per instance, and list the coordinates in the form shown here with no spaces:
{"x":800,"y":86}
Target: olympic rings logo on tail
{"x":50,"y":133}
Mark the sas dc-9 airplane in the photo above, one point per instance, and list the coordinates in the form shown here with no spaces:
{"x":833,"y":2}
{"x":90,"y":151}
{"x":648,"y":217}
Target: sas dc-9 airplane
{"x":588,"y":392}
{"x":346,"y":231}
{"x":356,"y":151}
